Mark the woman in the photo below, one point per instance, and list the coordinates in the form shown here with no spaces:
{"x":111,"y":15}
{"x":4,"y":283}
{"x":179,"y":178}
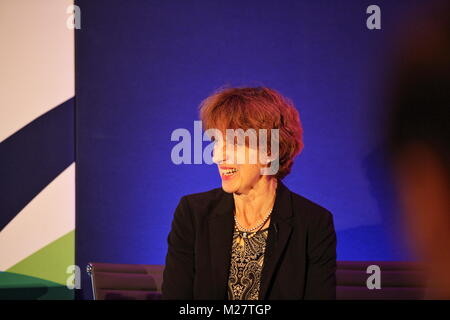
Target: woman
{"x":253,"y":238}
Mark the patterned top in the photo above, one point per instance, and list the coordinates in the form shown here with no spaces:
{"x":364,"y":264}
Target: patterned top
{"x":247,"y":257}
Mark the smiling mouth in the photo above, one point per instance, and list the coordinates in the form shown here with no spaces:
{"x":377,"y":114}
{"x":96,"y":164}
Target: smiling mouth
{"x":229,"y":172}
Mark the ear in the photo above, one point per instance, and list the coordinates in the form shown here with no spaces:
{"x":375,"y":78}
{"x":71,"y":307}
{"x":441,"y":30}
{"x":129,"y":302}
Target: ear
{"x":265,"y":160}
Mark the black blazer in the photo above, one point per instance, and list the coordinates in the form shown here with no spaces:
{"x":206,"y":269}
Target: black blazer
{"x":300,"y":256}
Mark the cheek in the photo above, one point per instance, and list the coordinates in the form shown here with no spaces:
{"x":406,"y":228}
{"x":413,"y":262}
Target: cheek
{"x":249,"y":173}
{"x":246,"y":155}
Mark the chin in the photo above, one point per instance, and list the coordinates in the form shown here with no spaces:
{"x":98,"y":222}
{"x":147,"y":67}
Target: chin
{"x":228,"y":189}
{"x":230,"y":186}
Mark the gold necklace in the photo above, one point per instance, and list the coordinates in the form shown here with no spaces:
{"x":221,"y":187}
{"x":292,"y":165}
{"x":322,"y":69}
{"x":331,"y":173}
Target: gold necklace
{"x":244,"y":235}
{"x":259,"y":225}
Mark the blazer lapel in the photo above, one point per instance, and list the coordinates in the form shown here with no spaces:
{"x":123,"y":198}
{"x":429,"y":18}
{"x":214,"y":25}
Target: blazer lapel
{"x":280,"y":230}
{"x":221,"y":224}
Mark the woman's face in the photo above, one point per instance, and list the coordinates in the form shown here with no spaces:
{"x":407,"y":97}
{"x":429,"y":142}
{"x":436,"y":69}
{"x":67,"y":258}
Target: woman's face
{"x":240,"y":169}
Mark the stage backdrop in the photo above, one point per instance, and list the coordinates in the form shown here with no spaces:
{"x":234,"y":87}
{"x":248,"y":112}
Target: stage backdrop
{"x":37,"y":170}
{"x":142,"y":68}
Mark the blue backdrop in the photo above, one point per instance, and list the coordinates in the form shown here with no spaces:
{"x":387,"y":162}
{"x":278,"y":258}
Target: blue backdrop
{"x":142,"y":68}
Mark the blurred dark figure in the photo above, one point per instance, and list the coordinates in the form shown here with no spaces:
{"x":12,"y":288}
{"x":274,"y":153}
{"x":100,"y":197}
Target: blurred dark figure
{"x":419,"y":143}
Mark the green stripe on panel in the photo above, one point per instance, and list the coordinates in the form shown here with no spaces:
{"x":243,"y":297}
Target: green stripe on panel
{"x":15,"y":286}
{"x":50,"y":262}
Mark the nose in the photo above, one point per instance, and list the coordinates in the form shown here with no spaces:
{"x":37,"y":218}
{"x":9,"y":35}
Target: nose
{"x":219,"y":152}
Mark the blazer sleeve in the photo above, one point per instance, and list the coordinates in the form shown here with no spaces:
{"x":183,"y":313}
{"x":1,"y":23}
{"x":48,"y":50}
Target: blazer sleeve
{"x":321,"y":261}
{"x":178,"y":276}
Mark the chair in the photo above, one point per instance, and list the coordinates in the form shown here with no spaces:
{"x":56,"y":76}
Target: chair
{"x":111,"y":281}
{"x":399,"y":280}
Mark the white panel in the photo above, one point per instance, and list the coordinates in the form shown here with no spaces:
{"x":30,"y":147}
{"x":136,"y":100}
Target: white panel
{"x":50,"y":215}
{"x":36,"y":60}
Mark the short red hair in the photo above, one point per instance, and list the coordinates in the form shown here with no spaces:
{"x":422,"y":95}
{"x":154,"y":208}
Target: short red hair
{"x":257,"y":108}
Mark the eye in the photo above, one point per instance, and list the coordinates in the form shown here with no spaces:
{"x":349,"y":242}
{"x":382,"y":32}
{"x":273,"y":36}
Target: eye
{"x":241,"y":141}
